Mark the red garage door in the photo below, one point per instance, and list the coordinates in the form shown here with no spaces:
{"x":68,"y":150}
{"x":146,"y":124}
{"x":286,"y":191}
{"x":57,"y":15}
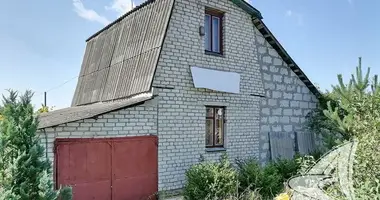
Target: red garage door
{"x":108,"y":169}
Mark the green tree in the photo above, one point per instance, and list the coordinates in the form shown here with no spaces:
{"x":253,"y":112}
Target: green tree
{"x":360,"y":101}
{"x":25,"y":172}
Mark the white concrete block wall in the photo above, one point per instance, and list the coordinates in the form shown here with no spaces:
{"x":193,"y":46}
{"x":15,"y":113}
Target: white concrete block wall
{"x":182,"y":110}
{"x":134,"y":121}
{"x":287,"y":101}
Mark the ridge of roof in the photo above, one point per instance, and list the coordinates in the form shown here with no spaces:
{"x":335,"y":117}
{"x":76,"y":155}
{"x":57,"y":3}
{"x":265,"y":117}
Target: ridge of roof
{"x":241,"y":3}
{"x":147,"y":2}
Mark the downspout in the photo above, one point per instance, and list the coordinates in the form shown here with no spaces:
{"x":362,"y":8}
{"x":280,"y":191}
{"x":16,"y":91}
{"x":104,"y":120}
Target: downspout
{"x":46,"y":145}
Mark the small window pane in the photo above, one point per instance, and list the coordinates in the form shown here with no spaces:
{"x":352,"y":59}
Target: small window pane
{"x":219,"y":132}
{"x":208,"y":32}
{"x":209,"y":132}
{"x":215,"y":34}
{"x":210,"y":112}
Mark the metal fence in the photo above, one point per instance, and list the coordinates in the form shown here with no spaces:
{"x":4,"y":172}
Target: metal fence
{"x":285,"y":145}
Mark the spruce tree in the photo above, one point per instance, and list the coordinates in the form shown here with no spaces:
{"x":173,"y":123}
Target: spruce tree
{"x":25,"y":172}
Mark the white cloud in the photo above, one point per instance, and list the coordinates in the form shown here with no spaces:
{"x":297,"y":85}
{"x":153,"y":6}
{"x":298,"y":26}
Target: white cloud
{"x":88,"y":14}
{"x":289,"y":13}
{"x":297,"y":16}
{"x":121,"y":6}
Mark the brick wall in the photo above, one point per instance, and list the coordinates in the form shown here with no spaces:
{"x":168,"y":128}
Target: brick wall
{"x":135,"y":121}
{"x":180,"y":123}
{"x":182,"y":109}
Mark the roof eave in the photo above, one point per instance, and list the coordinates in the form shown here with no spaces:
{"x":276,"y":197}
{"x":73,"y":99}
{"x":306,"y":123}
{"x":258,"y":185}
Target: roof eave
{"x":248,"y":8}
{"x":269,"y":37}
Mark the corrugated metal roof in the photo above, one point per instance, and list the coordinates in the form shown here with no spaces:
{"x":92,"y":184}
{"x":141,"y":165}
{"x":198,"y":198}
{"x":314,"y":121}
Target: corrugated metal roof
{"x":76,"y":113}
{"x":120,"y":60}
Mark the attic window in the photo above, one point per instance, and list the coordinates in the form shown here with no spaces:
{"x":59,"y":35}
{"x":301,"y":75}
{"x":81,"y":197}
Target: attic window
{"x":213,"y":31}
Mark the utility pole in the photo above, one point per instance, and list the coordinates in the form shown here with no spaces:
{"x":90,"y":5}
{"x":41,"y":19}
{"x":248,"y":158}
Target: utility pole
{"x":45,"y":93}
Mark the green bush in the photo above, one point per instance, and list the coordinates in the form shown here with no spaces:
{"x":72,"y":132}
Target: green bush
{"x":211,"y":180}
{"x":268,"y":180}
{"x":249,"y":181}
{"x":287,"y":168}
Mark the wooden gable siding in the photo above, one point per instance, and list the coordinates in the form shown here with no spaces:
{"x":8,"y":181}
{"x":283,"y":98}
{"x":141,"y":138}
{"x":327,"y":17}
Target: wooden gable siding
{"x":120,"y":61}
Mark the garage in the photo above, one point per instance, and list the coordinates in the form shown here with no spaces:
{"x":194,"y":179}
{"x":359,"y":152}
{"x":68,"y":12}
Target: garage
{"x":108,"y":168}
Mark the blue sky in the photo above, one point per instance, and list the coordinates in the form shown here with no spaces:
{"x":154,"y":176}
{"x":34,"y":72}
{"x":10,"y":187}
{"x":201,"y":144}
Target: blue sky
{"x":42,"y":42}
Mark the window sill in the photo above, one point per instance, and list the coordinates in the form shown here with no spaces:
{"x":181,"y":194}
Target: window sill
{"x":218,"y":149}
{"x":214,"y":54}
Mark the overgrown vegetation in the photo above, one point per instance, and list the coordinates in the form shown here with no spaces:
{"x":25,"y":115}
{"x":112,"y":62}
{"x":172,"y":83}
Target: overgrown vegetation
{"x":267,"y":180}
{"x":249,"y":180}
{"x":360,"y":99}
{"x":352,"y":111}
{"x":24,"y":171}
{"x":211,"y":180}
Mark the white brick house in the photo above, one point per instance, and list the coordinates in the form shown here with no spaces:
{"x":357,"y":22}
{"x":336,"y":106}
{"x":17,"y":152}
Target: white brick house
{"x":140,"y":77}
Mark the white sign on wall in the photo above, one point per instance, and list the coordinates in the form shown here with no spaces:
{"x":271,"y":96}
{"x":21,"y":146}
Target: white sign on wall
{"x":216,"y":80}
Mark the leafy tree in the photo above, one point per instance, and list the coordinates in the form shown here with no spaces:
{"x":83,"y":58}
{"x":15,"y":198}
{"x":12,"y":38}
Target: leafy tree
{"x":24,"y":172}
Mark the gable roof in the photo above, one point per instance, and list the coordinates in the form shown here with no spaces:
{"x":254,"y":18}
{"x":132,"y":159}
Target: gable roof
{"x":120,"y":60}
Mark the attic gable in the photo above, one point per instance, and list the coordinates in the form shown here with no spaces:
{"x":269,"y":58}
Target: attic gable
{"x":120,"y":60}
{"x":271,"y":39}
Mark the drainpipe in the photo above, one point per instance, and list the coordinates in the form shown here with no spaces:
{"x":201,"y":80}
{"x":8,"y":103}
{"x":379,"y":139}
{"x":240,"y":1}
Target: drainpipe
{"x":46,"y":145}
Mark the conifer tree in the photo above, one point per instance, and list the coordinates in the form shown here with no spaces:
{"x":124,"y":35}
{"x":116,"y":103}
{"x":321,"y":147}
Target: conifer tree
{"x":24,"y":171}
{"x":360,"y":99}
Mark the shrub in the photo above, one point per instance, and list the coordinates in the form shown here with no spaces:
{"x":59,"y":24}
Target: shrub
{"x":211,"y":180}
{"x":267,"y":179}
{"x":287,"y":168}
